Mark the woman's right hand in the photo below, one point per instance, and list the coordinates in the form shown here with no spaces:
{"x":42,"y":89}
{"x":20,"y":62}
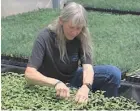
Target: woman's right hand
{"x":62,"y":90}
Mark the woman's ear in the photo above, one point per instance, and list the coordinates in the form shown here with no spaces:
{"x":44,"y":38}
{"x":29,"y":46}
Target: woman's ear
{"x":60,"y":21}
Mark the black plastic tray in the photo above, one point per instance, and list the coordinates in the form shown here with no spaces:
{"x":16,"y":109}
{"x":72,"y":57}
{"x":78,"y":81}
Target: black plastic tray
{"x":134,"y":77}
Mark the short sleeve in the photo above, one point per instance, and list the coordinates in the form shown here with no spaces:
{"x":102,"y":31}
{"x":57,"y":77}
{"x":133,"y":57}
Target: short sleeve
{"x":84,"y":60}
{"x":38,"y":52}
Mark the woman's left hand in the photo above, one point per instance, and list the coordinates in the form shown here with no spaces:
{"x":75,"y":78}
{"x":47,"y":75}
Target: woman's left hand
{"x":82,"y":94}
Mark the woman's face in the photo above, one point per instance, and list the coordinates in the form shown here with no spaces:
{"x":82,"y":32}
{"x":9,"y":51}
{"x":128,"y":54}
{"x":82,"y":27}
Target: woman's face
{"x":70,"y":31}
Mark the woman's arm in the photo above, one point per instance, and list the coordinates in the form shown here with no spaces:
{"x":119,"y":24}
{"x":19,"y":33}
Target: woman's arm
{"x":88,"y":73}
{"x":34,"y":77}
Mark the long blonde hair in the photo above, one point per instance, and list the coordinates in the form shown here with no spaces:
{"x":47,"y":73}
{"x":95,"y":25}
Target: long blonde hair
{"x":78,"y":15}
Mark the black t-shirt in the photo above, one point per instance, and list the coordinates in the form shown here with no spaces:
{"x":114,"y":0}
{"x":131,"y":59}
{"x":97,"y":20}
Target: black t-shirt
{"x":41,"y":58}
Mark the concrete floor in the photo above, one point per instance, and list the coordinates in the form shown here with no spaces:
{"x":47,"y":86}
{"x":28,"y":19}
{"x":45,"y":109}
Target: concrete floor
{"x":12,"y":7}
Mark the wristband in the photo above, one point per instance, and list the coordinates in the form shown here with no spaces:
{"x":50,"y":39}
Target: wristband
{"x":57,"y":83}
{"x":88,"y":85}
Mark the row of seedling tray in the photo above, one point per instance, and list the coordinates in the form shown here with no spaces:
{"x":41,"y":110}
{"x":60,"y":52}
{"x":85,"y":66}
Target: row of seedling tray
{"x":134,"y":77}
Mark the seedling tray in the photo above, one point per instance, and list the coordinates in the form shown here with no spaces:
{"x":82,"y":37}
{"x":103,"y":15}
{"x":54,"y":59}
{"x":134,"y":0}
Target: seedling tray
{"x":130,"y":90}
{"x":134,"y":77}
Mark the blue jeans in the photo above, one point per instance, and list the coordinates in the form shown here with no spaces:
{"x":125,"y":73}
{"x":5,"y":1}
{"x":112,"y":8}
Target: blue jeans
{"x":106,"y":78}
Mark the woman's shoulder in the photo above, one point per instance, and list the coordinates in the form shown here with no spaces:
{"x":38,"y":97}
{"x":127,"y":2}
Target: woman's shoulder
{"x":46,"y":34}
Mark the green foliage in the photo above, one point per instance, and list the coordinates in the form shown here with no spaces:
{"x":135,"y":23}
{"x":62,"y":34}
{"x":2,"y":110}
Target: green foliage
{"x":124,"y":5}
{"x":116,"y":38}
{"x":19,"y":31}
{"x":17,"y":95}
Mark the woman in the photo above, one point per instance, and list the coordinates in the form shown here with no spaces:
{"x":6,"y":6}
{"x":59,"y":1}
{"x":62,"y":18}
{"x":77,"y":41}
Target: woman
{"x":57,"y":52}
